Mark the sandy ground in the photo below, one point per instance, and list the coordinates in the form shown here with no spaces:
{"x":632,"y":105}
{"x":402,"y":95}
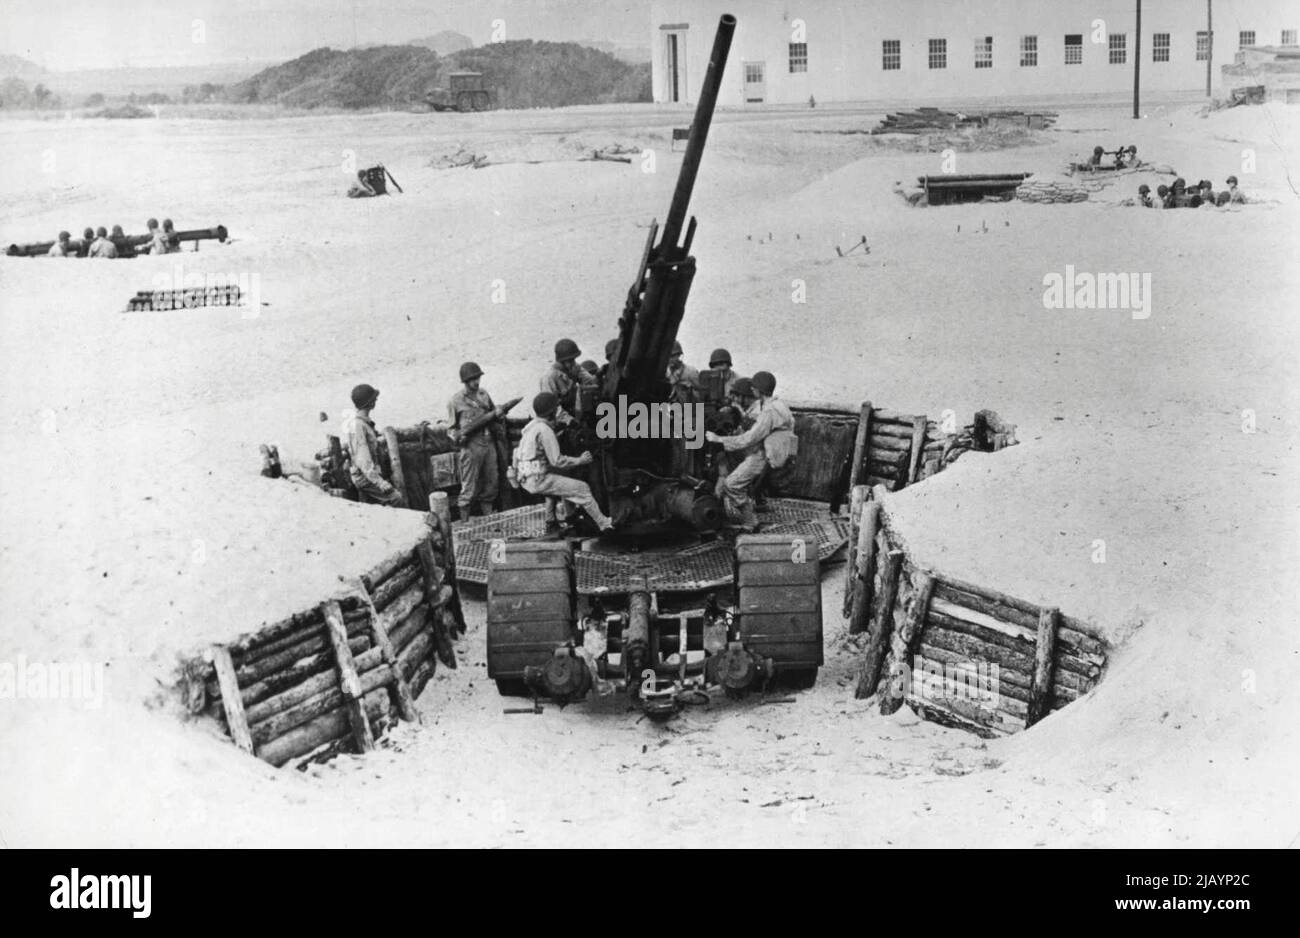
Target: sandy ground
{"x":136,"y":528}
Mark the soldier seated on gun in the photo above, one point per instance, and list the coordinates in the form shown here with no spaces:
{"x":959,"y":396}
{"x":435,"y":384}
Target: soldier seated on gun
{"x":720,"y":361}
{"x":478,"y":450}
{"x":564,"y":378}
{"x":536,"y":459}
{"x":101,"y":246}
{"x":361,"y":443}
{"x":61,"y":247}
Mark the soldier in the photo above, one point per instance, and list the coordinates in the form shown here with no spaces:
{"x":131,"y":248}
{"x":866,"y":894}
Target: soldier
{"x":119,"y":239}
{"x":102,"y":247}
{"x":564,"y":378}
{"x":361,"y":443}
{"x":62,"y":247}
{"x":590,"y":367}
{"x":361,"y":189}
{"x":1144,"y":196}
{"x":611,"y":348}
{"x":536,"y":459}
{"x":170,"y":237}
{"x":684,"y":379}
{"x":1235,"y":195}
{"x":1165,"y":195}
{"x":87,"y":239}
{"x":769,"y":444}
{"x":1207,"y":193}
{"x":720,"y":360}
{"x":156,"y":245}
{"x":478,"y":450}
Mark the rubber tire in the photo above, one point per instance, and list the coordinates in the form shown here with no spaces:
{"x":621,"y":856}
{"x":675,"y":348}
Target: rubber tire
{"x":797,"y":678}
{"x":513,"y":687}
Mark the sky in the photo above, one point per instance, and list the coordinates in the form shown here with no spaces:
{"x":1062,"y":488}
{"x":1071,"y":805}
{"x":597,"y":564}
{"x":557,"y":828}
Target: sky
{"x":65,"y":35}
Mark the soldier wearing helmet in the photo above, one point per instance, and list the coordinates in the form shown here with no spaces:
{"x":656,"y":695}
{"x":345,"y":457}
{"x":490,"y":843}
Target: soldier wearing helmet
{"x":720,"y":362}
{"x":684,"y":379}
{"x":61,"y":247}
{"x":537,"y":460}
{"x":479,"y":471}
{"x":361,"y":443}
{"x":770,"y":444}
{"x":1144,"y":196}
{"x":564,"y":378}
{"x":1235,"y":195}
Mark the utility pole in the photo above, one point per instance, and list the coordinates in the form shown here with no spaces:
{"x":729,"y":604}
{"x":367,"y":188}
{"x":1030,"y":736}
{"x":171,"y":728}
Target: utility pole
{"x":1209,"y":48}
{"x":1137,"y":65}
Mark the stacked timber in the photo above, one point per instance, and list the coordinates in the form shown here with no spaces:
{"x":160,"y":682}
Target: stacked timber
{"x":958,"y":653}
{"x":1057,"y":191}
{"x":335,"y":677}
{"x":927,"y":120}
{"x":889,"y":451}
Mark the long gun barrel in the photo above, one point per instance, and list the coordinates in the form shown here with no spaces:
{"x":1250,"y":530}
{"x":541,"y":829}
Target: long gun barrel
{"x":657,"y":299}
{"x":479,"y":423}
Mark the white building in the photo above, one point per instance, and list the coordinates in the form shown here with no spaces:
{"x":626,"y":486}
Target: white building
{"x":900,"y":50}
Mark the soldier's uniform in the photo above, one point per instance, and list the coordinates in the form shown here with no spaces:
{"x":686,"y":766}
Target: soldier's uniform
{"x":769,"y":443}
{"x":102,"y":247}
{"x":535,"y":461}
{"x":479,"y":472}
{"x":361,"y":443}
{"x":564,"y":385}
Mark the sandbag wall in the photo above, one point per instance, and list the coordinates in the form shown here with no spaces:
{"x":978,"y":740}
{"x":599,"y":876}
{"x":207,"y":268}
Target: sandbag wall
{"x":957,"y":653}
{"x":335,"y":677}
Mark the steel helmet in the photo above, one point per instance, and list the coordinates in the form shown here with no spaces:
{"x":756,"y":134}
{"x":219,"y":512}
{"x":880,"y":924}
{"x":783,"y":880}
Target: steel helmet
{"x":677,"y":348}
{"x":610,"y":348}
{"x":545,"y":404}
{"x":566,"y":350}
{"x":742,"y":387}
{"x":720,"y":356}
{"x":590,"y":366}
{"x":1232,"y":180}
{"x":469,"y":371}
{"x":1143,"y":189}
{"x":364,"y":396}
{"x":764,"y":383}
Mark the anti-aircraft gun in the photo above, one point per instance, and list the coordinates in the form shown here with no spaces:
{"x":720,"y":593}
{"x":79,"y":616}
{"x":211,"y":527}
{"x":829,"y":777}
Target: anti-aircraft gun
{"x":639,"y":630}
{"x":655,"y":479}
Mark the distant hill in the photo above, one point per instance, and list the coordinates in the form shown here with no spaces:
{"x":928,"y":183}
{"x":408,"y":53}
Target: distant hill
{"x":15,"y":66}
{"x":445,"y":43}
{"x":521,"y":74}
{"x":634,"y":52}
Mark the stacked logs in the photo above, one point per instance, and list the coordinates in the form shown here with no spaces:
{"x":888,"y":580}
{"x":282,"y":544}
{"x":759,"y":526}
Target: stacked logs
{"x":1056,"y":192}
{"x":335,"y":677}
{"x":893,"y":439}
{"x":957,"y":653}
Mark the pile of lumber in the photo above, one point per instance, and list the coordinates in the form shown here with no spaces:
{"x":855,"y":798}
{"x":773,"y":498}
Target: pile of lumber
{"x":933,"y":120}
{"x":957,"y":653}
{"x":333,"y":678}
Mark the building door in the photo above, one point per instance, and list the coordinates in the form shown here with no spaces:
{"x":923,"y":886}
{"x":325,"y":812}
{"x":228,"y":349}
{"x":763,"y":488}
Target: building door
{"x":674,"y":63}
{"x":755,"y":86}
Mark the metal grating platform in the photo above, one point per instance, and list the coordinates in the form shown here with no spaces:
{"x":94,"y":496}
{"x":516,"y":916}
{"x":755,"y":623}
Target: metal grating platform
{"x":700,"y":566}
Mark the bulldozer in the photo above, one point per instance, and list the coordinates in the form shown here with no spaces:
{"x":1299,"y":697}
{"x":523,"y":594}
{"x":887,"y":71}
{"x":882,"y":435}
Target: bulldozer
{"x":466,"y":91}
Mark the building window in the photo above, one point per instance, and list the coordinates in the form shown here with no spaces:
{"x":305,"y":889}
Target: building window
{"x":984,"y":52}
{"x":1202,"y":46}
{"x":1118,"y":45}
{"x":891,"y":51}
{"x":1288,"y":37}
{"x":1245,"y":38}
{"x":938,"y":53}
{"x":798,"y":57}
{"x":1074,"y":49}
{"x":1028,"y":51}
{"x":1159,"y":47}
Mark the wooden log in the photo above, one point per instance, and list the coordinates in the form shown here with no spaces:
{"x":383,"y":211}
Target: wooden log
{"x":862,"y":573}
{"x":324,"y":729}
{"x":857,"y":498}
{"x":307,"y":689}
{"x":402,"y":699}
{"x":395,"y":586}
{"x":822,"y":407}
{"x":349,"y":680}
{"x":326,"y":696}
{"x":267,"y":634}
{"x":423,"y":674}
{"x":444,"y":625}
{"x":1002,"y":721}
{"x":890,"y":431}
{"x":405,"y":630}
{"x":315,"y":631}
{"x":440,"y":512}
{"x":1044,"y":657}
{"x":385,"y":568}
{"x":402,"y":607}
{"x":904,"y":641}
{"x":1006,"y":635}
{"x":878,"y":636}
{"x":918,"y":444}
{"x":420,"y":649}
{"x":954,"y":721}
{"x":236,"y":721}
{"x":1072,"y":632}
{"x":305,"y":655}
{"x":891,"y":453}
{"x":433,"y":575}
{"x":1013,"y":682}
{"x":881,"y":415}
{"x":860,"y":444}
{"x":395,"y":461}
